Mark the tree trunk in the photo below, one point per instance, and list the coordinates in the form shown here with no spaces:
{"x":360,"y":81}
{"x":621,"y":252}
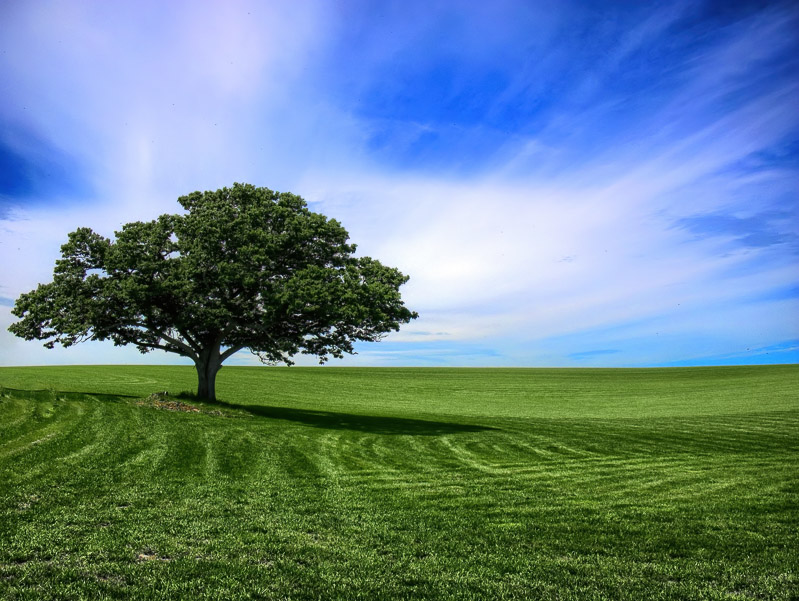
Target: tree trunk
{"x":208,"y":364}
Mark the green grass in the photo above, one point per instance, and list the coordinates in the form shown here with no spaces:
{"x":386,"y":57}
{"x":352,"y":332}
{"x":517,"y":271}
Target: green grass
{"x":401,"y":484}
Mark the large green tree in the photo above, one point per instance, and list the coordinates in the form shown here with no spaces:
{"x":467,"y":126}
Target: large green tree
{"x":241,"y":268}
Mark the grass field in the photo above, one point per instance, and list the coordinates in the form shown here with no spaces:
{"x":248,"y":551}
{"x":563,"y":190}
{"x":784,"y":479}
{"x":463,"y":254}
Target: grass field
{"x":327,"y":483}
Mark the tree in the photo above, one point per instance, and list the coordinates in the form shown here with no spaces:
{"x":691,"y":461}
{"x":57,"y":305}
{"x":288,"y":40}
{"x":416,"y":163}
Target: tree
{"x":241,"y":268}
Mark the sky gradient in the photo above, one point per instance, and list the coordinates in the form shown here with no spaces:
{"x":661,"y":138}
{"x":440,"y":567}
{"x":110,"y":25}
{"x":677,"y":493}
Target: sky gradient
{"x":567,"y":184}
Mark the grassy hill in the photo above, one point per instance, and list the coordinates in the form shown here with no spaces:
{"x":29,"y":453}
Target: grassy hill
{"x":309,"y":483}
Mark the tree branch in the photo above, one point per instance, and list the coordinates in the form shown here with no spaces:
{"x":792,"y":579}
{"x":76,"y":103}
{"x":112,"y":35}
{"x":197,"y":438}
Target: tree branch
{"x":232,"y":350}
{"x":188,"y":350}
{"x":193,"y":343}
{"x":166,"y":348}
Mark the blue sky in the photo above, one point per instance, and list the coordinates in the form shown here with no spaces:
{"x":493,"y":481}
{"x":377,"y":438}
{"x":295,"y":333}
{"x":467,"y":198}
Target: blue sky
{"x":567,"y":184}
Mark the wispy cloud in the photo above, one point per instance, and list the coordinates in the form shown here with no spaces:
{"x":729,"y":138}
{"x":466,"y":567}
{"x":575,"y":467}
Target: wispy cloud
{"x":758,"y":231}
{"x":782,"y":352}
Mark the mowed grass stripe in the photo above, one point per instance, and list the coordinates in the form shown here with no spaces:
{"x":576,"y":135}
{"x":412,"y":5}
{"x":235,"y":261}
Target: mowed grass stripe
{"x":46,"y":422}
{"x":281,"y":495}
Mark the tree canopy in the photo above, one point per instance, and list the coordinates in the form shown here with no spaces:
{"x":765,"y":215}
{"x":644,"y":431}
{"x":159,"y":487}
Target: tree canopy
{"x":241,"y":268}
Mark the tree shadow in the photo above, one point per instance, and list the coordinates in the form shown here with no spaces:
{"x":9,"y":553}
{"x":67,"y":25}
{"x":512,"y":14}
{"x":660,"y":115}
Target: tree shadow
{"x":52,"y":394}
{"x":331,"y":420}
{"x":372,"y":424}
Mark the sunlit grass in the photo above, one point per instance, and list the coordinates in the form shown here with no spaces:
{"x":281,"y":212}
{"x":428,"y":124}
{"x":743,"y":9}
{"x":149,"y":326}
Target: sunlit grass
{"x":400,"y":484}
